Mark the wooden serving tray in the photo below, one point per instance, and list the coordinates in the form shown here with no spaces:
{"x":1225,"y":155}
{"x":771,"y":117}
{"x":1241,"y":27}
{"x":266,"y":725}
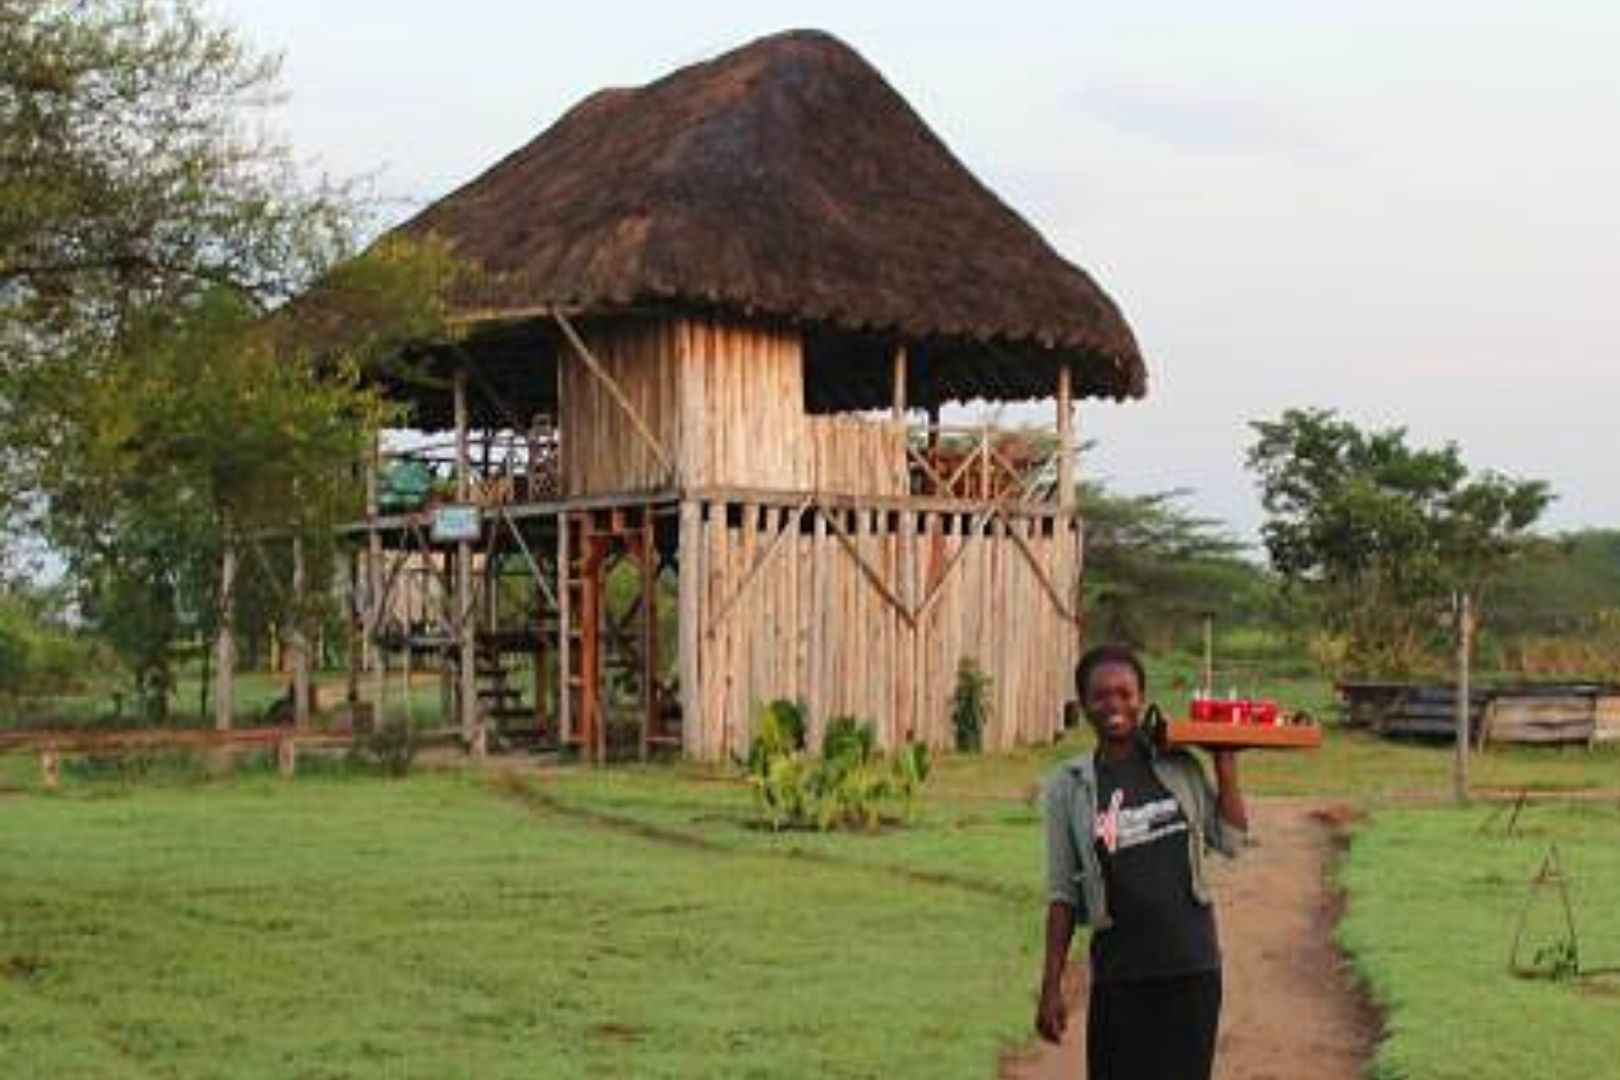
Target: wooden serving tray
{"x":1242,"y":736}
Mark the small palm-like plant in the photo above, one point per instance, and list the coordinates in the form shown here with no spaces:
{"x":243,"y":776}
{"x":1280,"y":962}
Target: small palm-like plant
{"x":970,"y":706}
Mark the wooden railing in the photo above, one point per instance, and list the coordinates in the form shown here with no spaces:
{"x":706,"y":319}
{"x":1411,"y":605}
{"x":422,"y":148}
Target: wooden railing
{"x":964,"y":463}
{"x":513,"y":468}
{"x":983,"y":463}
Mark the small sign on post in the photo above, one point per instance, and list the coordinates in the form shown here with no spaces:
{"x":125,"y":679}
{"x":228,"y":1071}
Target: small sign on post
{"x":456,"y":522}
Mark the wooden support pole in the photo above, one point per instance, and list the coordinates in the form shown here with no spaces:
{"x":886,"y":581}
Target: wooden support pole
{"x":565,"y":629}
{"x":649,"y":634}
{"x":375,"y":662}
{"x":298,"y":638}
{"x":1208,"y":681}
{"x":353,"y":658}
{"x":591,"y":728}
{"x":540,"y":723}
{"x":1065,"y":434}
{"x":914,"y":633}
{"x":1465,"y":643}
{"x":984,"y":462}
{"x":907,"y":658}
{"x":466,"y":619}
{"x":821,"y":612}
{"x":900,"y":363}
{"x":225,"y":642}
{"x":691,"y":633}
{"x":1069,"y":531}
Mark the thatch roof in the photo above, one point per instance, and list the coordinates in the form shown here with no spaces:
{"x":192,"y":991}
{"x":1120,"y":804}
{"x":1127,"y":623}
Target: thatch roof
{"x":786,"y":180}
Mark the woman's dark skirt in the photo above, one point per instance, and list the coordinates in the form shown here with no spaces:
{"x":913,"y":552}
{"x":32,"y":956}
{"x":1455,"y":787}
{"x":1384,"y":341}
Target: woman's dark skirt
{"x":1154,"y":1029}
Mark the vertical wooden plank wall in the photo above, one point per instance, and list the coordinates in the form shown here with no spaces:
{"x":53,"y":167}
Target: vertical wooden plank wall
{"x":726,"y":403}
{"x":601,"y":451}
{"x":743,"y":423}
{"x":785,"y":608}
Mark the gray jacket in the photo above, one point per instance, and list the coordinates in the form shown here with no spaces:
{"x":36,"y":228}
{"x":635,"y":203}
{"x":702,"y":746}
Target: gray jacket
{"x":1074,"y":872}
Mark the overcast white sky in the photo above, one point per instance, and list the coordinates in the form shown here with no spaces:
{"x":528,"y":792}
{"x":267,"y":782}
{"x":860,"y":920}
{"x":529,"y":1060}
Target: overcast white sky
{"x":1407,"y":211}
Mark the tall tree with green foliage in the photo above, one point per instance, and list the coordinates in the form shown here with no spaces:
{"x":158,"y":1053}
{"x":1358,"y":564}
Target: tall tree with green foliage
{"x":1376,"y":535}
{"x":152,"y":410}
{"x":1153,"y":569}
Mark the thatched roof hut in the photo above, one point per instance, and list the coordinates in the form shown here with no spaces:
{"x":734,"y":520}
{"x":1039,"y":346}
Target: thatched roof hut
{"x":784,"y":182}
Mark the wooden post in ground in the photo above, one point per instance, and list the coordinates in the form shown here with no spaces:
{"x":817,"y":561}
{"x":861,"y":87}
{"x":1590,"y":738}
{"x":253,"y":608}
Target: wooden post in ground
{"x":466,"y":618}
{"x":1209,"y":655}
{"x":375,"y":662}
{"x":649,"y":632}
{"x":565,"y":629}
{"x":691,"y":586}
{"x":225,"y":642}
{"x":592,"y":728}
{"x":354,"y":654}
{"x":1465,"y":641}
{"x":298,"y":638}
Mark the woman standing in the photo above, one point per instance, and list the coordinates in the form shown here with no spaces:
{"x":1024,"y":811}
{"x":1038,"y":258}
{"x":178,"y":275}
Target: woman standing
{"x":1127,"y":829}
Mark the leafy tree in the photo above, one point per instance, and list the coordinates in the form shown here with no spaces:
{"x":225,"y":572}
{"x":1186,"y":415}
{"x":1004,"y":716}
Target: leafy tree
{"x":1375,"y":535}
{"x":151,"y":410}
{"x":1152,"y":568}
{"x":39,"y":651}
{"x":134,"y":174}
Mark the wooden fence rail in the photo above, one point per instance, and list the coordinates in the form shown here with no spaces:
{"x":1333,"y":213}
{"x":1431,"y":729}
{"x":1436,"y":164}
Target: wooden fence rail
{"x":52,"y":744}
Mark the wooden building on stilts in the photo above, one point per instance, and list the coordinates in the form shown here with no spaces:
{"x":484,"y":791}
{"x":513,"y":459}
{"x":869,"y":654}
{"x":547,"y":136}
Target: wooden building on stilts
{"x":687,"y":446}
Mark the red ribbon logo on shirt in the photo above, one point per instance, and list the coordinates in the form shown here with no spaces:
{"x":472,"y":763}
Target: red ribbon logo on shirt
{"x":1108,"y":823}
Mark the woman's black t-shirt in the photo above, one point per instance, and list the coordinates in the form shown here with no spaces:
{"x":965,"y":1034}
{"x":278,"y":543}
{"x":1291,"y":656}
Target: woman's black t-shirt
{"x":1159,"y":928}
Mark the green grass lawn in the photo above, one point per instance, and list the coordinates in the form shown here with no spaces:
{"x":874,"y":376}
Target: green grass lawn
{"x":441,"y":927}
{"x":1433,"y":905}
{"x":630,"y":922}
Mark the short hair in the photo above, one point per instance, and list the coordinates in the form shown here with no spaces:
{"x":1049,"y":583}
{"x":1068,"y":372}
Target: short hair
{"x":1104,"y":655}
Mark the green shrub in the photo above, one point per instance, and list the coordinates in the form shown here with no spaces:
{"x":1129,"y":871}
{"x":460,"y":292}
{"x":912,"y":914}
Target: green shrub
{"x":847,"y":787}
{"x":849,"y":740}
{"x":390,"y":747}
{"x":156,"y":765}
{"x":970,"y":705}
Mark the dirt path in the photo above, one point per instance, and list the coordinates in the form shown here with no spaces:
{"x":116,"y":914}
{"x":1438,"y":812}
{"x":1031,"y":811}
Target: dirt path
{"x":1289,"y":1009}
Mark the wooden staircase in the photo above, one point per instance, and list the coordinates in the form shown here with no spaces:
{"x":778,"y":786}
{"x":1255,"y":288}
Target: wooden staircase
{"x":612,"y":662}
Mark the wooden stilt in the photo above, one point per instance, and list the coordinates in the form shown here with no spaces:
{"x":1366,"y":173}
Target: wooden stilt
{"x":354,"y":642}
{"x":376,"y":663}
{"x":649,"y":634}
{"x":298,"y":639}
{"x":225,"y":642}
{"x":565,"y":631}
{"x":467,"y":710}
{"x":690,"y":633}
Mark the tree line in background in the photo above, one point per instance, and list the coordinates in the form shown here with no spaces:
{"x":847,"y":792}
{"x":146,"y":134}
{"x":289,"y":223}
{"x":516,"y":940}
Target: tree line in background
{"x":1368,"y":542}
